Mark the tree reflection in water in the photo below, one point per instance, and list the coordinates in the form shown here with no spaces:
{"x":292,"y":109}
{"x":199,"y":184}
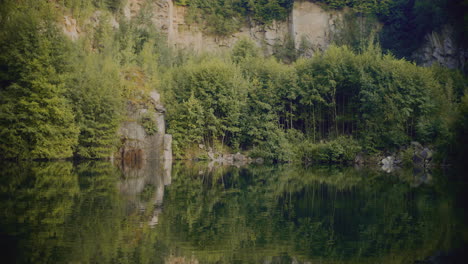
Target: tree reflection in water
{"x":95,"y":212}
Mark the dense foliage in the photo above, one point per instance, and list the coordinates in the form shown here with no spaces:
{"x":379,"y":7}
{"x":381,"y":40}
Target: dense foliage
{"x":61,"y":98}
{"x":208,"y":97}
{"x":36,"y":120}
{"x":381,"y":101}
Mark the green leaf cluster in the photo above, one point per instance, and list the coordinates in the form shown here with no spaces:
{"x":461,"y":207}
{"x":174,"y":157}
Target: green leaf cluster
{"x":204,"y":102}
{"x":36,"y":120}
{"x":60,"y":98}
{"x":95,"y":93}
{"x":366,"y":101}
{"x":147,"y":121}
{"x":340,"y":150}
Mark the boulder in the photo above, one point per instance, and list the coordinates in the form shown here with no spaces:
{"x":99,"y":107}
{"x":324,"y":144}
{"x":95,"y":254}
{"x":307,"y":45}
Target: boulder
{"x":160,"y":109}
{"x":359,"y":159}
{"x":155,"y":96}
{"x":388,"y":164}
{"x":259,"y":160}
{"x":388,"y":161}
{"x":418,"y":160}
{"x":426,"y":154}
{"x":239,"y":157}
{"x":211,"y":154}
{"x":156,"y":101}
{"x":228,"y":157}
{"x":416,"y":145}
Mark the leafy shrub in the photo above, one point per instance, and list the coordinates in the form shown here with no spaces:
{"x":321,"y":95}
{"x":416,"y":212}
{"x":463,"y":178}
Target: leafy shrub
{"x":407,"y":156}
{"x":147,"y":122}
{"x":243,"y":49}
{"x":340,"y":150}
{"x":204,"y":102}
{"x":147,"y":193}
{"x":276,"y":149}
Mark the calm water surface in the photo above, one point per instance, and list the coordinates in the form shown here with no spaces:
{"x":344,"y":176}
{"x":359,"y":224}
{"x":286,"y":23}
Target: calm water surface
{"x":96,"y":212}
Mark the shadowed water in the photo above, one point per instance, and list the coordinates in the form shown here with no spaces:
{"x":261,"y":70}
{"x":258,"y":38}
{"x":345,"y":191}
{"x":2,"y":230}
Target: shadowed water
{"x":96,"y":212}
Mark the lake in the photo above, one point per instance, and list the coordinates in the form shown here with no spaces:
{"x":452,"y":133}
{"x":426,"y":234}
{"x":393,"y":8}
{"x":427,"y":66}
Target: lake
{"x":98,"y":212}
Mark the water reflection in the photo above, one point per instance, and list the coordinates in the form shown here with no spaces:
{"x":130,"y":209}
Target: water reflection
{"x":143,"y":185}
{"x":35,"y":203}
{"x":298,"y":215}
{"x":97,"y":212}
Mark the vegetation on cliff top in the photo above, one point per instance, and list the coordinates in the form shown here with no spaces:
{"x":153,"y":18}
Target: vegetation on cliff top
{"x":223,"y":17}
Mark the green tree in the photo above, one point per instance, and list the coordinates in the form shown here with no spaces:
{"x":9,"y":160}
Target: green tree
{"x":211,"y":94}
{"x":218,"y":88}
{"x":244,"y":49}
{"x":95,"y":90}
{"x":36,"y":120}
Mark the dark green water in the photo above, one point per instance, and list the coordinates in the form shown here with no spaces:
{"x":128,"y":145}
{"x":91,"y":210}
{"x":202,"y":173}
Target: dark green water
{"x":94,"y":212}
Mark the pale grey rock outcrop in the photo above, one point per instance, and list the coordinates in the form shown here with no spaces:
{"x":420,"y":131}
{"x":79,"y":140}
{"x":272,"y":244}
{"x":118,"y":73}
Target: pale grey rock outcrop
{"x":137,"y":145}
{"x":442,"y":47}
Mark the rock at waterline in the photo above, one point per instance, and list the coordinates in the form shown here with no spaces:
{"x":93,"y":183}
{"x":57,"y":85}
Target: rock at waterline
{"x":426,"y":154}
{"x":359,"y":159}
{"x":388,"y":164}
{"x":239,"y":157}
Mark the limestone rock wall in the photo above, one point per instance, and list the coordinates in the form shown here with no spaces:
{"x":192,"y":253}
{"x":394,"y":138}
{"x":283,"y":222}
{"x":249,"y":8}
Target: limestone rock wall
{"x":306,"y":21}
{"x":137,"y":146}
{"x":314,"y":24}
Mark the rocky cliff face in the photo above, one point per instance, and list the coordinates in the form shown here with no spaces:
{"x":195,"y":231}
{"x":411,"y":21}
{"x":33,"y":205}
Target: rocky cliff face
{"x":138,"y":146}
{"x":312,"y":23}
{"x":441,"y":47}
{"x":307,"y":21}
{"x":70,"y":29}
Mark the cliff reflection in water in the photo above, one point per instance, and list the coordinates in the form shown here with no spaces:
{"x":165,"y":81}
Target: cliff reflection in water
{"x":96,"y":212}
{"x":143,"y":184}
